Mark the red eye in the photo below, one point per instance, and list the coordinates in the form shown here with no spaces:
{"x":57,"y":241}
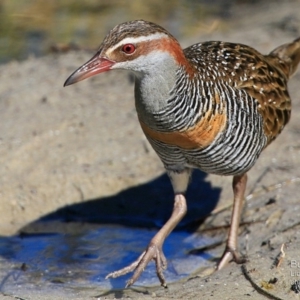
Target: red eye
{"x":128,"y":48}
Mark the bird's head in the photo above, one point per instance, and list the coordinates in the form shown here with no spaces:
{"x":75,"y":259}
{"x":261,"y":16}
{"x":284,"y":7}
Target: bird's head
{"x":139,"y":46}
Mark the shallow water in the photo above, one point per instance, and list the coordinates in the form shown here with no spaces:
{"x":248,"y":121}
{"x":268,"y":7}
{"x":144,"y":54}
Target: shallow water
{"x":82,"y":260}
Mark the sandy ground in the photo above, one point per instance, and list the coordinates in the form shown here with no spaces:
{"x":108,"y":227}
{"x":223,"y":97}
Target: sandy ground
{"x":63,"y":146}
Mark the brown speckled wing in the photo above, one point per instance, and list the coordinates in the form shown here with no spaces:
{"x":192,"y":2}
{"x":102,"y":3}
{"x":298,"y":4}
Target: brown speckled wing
{"x":263,"y":77}
{"x":268,"y":85}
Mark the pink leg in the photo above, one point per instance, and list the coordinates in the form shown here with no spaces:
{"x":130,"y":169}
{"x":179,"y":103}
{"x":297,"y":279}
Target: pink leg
{"x":154,"y":249}
{"x":239,"y":186}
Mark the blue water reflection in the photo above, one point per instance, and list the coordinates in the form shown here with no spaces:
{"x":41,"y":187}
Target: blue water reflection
{"x":85,"y":258}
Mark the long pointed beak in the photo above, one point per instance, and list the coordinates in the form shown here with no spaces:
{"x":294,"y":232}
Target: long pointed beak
{"x":94,"y":66}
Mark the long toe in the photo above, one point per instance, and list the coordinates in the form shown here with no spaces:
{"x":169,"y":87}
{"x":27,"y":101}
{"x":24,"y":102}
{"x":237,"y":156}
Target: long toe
{"x":153,"y":252}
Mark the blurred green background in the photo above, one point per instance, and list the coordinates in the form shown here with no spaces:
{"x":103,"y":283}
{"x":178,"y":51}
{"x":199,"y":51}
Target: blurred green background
{"x":35,"y":27}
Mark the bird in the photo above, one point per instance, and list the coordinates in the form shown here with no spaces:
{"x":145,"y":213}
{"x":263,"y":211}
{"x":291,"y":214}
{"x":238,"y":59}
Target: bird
{"x":213,"y":106}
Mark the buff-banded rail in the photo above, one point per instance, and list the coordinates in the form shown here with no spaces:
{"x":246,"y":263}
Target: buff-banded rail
{"x":213,"y":106}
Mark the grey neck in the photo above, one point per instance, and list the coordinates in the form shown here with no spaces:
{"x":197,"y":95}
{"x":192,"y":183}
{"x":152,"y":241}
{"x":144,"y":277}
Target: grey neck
{"x":154,"y":91}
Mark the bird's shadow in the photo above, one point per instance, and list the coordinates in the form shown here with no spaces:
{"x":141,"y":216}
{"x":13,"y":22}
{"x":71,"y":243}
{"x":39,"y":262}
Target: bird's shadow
{"x":145,"y":205}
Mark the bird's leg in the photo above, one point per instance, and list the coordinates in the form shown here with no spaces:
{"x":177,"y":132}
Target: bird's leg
{"x":239,"y":186}
{"x":154,"y":249}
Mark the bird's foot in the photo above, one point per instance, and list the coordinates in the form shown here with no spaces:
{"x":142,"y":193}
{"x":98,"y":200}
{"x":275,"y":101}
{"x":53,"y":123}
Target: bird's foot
{"x":154,"y":249}
{"x":154,"y":252}
{"x":229,"y":255}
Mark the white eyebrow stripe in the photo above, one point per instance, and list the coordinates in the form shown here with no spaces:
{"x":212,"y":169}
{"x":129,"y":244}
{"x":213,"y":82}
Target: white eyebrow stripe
{"x":135,"y":40}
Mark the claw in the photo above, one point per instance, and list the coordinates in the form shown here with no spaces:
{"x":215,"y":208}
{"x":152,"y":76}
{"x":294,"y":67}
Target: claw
{"x":152,"y":252}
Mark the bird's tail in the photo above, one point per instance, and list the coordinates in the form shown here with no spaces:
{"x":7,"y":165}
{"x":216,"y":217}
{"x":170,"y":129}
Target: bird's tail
{"x":289,"y":57}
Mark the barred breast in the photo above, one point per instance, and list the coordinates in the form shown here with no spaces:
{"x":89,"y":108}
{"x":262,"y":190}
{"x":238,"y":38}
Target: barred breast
{"x":220,"y":119}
